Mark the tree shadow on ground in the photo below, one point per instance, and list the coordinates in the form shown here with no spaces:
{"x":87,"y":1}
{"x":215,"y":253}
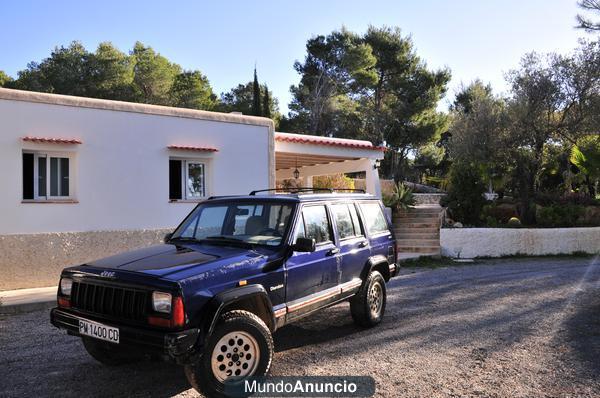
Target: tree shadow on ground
{"x":582,"y":331}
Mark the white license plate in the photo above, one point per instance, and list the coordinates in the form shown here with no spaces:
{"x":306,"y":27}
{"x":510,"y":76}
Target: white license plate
{"x":99,"y":331}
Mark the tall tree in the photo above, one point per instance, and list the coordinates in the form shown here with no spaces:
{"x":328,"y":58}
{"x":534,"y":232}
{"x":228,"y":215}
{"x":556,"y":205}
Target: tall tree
{"x":241,"y":99}
{"x":66,"y":71}
{"x":153,"y":75}
{"x":5,"y":80}
{"x":470,"y":95}
{"x":141,"y":76}
{"x":266,"y":107}
{"x":111,"y":73}
{"x":479,"y":123}
{"x":256,"y":111}
{"x":334,"y":65}
{"x":191,"y":89}
{"x":585,"y":22}
{"x":401,"y":103}
{"x":372,"y":86}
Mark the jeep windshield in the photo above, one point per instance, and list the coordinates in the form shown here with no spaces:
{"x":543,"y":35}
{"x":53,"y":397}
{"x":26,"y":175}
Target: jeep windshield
{"x":236,"y":223}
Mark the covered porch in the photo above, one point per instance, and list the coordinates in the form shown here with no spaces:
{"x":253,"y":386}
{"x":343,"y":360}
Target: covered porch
{"x":315,"y":156}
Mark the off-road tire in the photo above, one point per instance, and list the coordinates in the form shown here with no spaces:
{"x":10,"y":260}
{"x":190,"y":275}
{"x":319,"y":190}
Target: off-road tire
{"x":200,"y":374}
{"x":108,"y":353}
{"x":361,"y":304}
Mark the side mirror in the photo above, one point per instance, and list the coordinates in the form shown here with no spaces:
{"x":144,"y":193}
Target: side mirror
{"x":304,"y":245}
{"x":167,"y":237}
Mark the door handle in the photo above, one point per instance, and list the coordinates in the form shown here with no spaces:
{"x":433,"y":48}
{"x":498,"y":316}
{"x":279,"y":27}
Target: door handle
{"x":333,"y":251}
{"x":364,"y":243}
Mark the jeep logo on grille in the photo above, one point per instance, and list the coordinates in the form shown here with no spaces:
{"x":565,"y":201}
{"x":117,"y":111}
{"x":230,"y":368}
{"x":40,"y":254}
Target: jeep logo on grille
{"x":107,"y":274}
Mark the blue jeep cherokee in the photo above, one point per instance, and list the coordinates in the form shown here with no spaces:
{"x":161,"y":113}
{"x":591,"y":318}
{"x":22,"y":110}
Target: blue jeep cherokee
{"x":236,"y":269}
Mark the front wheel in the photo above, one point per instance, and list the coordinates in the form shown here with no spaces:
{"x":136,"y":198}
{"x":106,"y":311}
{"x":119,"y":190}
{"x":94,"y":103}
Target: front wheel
{"x":368,"y":305}
{"x":240,"y":347}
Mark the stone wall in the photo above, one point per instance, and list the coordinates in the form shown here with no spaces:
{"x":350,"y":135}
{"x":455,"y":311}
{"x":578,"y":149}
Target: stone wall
{"x":498,"y":242}
{"x":36,"y":260}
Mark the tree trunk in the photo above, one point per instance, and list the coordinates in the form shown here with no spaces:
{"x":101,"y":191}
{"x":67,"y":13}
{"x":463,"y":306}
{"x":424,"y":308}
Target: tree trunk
{"x":526,"y":178}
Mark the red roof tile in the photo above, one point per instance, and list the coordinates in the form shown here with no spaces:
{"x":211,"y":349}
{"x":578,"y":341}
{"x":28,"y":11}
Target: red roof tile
{"x":193,"y":148}
{"x":49,"y":140}
{"x":317,"y":140}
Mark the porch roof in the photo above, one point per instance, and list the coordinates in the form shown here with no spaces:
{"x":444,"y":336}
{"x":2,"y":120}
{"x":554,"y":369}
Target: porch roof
{"x":298,"y":150}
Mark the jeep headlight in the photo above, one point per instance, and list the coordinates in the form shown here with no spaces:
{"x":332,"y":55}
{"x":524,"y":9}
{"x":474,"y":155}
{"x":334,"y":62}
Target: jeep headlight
{"x":161,"y":302}
{"x":65,"y":286}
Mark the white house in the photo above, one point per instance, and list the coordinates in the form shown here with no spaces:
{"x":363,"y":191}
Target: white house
{"x":82,"y":178}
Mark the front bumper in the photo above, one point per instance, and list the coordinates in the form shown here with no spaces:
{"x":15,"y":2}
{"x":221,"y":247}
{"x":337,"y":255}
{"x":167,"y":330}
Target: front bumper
{"x":179,"y":346}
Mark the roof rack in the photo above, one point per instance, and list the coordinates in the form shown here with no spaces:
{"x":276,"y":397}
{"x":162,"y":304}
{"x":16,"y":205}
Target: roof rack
{"x":305,"y":190}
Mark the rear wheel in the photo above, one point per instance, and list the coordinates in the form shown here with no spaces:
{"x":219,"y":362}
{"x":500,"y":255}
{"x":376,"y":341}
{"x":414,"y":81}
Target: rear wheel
{"x":108,"y":353}
{"x":368,"y":305}
{"x":240,"y":347}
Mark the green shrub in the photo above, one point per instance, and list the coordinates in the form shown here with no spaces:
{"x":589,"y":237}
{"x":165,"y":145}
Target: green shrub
{"x":500,"y":212}
{"x":559,"y":216}
{"x":572,"y":198}
{"x":401,"y":197}
{"x":339,"y":181}
{"x":465,"y":199}
{"x":491,"y":222}
{"x":514,"y":222}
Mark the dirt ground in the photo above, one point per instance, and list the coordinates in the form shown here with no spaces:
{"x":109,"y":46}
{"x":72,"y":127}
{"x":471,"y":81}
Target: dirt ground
{"x":518,"y":327}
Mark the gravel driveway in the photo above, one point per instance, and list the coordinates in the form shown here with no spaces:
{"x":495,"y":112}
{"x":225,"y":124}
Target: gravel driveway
{"x":519,"y":327}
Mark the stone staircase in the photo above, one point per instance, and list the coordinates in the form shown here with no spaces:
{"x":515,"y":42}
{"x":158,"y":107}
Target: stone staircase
{"x":417,"y":231}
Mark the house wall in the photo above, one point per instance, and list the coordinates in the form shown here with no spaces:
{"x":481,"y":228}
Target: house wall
{"x":498,"y":242}
{"x":121,"y":169}
{"x":120,"y":176}
{"x":36,"y":260}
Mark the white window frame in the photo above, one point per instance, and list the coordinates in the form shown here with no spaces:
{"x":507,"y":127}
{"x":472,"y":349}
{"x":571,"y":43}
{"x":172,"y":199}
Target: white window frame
{"x":48,"y":155}
{"x":186,"y":195}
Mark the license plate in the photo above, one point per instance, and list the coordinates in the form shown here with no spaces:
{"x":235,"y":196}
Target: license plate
{"x":99,"y":331}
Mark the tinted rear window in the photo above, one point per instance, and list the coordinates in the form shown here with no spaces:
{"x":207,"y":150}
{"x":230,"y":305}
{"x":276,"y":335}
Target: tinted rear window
{"x":316,"y":223}
{"x":373,"y":218}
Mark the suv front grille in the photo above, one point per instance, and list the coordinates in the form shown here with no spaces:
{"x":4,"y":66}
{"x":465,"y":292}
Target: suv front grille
{"x":111,"y":301}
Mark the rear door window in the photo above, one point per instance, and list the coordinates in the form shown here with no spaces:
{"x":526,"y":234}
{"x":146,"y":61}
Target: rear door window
{"x":343,"y":221}
{"x":316,"y":223}
{"x":373,"y":218}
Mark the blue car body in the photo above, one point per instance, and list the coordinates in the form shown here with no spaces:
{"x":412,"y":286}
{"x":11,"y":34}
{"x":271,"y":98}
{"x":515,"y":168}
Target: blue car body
{"x":277,"y":283}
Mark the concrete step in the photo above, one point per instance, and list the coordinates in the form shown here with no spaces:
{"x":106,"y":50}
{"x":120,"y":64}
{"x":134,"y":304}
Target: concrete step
{"x":436,"y":250}
{"x":418,"y":242}
{"x":418,"y":225}
{"x":411,"y":234}
{"x":417,"y":213}
{"x":430,"y":230}
{"x":406,"y":220}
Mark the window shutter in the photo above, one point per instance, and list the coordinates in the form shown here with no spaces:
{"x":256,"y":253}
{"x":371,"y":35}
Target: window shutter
{"x":28,"y":178}
{"x":64,"y":174}
{"x":175,"y":179}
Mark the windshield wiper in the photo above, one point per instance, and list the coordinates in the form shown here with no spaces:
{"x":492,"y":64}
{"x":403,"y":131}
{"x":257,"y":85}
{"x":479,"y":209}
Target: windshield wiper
{"x":227,"y":239}
{"x":185,"y":239}
{"x":223,"y":237}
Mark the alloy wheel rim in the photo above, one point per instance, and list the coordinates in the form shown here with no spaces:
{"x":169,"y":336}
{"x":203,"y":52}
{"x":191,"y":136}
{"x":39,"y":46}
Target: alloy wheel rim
{"x":375,"y":299}
{"x":235,"y":355}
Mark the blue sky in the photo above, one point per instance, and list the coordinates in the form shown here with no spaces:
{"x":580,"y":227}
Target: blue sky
{"x":224,"y":39}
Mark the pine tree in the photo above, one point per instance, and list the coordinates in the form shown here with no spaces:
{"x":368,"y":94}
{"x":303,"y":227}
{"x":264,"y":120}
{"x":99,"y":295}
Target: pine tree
{"x":266,"y":103}
{"x":256,"y":96}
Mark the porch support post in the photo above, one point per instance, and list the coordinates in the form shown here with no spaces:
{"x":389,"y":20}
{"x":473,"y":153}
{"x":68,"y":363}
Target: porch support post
{"x":372,"y":178}
{"x":308,"y":181}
